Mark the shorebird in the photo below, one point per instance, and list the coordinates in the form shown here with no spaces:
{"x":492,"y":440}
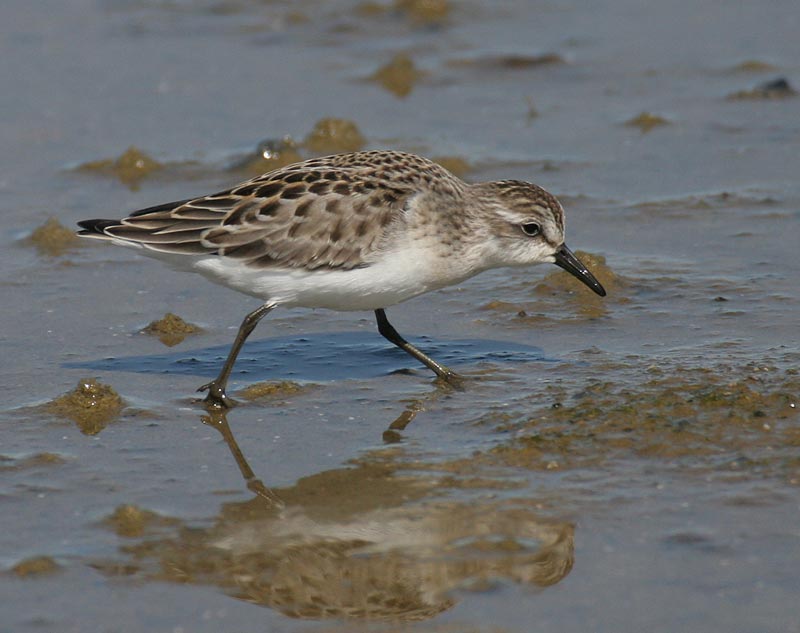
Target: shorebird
{"x":358,"y":231}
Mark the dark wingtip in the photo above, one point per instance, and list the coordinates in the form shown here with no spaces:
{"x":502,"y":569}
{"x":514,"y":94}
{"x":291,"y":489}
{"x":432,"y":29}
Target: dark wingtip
{"x":95,"y":227}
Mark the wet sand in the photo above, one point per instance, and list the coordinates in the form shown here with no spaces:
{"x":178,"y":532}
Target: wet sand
{"x":627,"y":463}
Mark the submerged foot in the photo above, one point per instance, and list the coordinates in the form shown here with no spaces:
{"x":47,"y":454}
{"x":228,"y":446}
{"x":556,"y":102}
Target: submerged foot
{"x":450,"y":378}
{"x":216,"y":396}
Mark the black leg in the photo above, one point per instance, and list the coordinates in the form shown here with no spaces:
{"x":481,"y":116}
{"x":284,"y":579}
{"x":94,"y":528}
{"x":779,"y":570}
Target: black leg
{"x":388,"y":332}
{"x":216,"y":388}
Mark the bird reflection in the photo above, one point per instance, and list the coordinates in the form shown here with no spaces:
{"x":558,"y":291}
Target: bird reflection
{"x":361,"y":543}
{"x":417,"y":405}
{"x":218,"y":421}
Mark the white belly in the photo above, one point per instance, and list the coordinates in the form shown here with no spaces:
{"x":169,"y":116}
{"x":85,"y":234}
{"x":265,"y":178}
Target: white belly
{"x":398,"y":276}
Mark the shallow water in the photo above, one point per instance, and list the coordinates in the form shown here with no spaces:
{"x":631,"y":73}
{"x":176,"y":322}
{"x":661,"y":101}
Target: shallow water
{"x":627,"y":463}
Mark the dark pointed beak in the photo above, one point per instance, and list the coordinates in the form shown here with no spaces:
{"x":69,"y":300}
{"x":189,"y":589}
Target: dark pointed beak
{"x":566,"y":259}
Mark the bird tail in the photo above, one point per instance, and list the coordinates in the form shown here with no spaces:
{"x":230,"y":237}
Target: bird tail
{"x":96,"y":228}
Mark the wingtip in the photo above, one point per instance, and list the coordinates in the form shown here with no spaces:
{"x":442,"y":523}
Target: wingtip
{"x":95,"y":227}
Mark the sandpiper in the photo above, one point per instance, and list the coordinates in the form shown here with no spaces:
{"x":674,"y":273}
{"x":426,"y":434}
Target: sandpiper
{"x":358,"y":231}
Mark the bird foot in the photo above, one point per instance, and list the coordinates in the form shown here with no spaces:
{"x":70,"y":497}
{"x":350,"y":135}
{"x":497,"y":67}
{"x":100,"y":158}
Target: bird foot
{"x":451,"y":379}
{"x":216,"y":398}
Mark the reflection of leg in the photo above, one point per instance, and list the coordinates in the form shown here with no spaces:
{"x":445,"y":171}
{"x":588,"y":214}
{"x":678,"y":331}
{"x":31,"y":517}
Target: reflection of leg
{"x":388,"y":332}
{"x":392,"y":433}
{"x":218,"y":420}
{"x":216,"y":388}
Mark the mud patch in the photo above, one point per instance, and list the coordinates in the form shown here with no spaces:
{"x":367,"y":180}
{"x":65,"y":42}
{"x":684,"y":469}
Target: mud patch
{"x":454,"y":164}
{"x":35,"y":567}
{"x":369,"y":9}
{"x":646,"y":121}
{"x":563,"y":298}
{"x":398,"y":76}
{"x":53,"y":238}
{"x":33,"y":461}
{"x":334,"y":135}
{"x":272,"y":391}
{"x":779,"y":88}
{"x":171,"y":329}
{"x":131,"y":521}
{"x":91,"y":405}
{"x":753,"y":66}
{"x":678,"y":207}
{"x":427,"y":12}
{"x":270,"y":155}
{"x":130,"y":168}
{"x":507,"y":62}
{"x":722,"y":419}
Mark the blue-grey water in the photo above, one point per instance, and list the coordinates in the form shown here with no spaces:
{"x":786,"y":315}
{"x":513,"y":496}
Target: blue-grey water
{"x":623,"y":464}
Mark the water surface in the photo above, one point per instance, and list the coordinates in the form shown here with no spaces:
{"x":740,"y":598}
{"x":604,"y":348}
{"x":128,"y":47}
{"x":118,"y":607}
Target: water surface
{"x":628,"y":463}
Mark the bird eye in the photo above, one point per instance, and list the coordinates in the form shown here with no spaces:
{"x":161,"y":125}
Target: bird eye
{"x":531,"y":229}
